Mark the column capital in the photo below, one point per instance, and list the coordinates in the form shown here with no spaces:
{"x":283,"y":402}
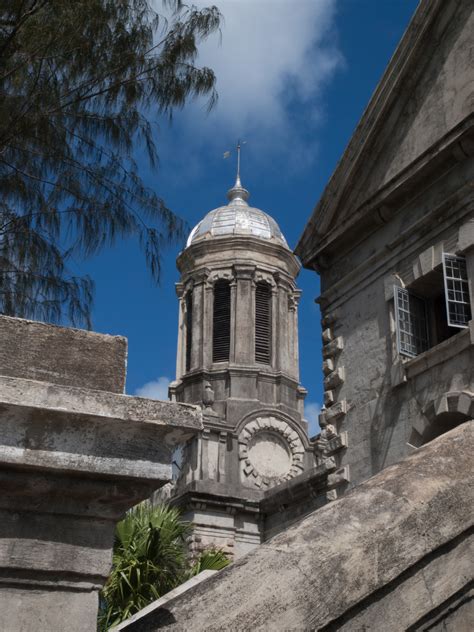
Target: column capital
{"x":243,"y":271}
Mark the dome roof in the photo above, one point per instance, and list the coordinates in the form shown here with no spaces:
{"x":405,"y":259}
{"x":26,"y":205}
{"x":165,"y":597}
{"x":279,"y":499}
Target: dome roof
{"x":237,"y":218}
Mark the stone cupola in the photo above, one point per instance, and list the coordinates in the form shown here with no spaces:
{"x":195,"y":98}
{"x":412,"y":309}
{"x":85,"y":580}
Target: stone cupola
{"x":238,"y":358}
{"x":238,"y":326}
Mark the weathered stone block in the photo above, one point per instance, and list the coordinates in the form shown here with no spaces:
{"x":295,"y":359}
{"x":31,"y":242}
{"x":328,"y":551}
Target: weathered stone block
{"x":334,"y":379}
{"x":333,"y":348}
{"x":76,"y":358}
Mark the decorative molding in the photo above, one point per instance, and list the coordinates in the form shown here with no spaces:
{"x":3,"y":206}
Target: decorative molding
{"x":329,"y":319}
{"x":466,"y":236}
{"x":334,"y":413}
{"x":327,"y":335}
{"x":328,"y":366}
{"x":220,"y":275}
{"x":333,"y":348}
{"x":263,"y":427}
{"x":179,"y":288}
{"x":334,"y":379}
{"x":328,"y":398}
{"x":266,"y":277}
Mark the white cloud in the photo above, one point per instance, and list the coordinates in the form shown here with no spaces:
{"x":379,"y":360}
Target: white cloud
{"x":157,"y":389}
{"x":311,"y":413}
{"x":272,"y":63}
{"x":272,"y":53}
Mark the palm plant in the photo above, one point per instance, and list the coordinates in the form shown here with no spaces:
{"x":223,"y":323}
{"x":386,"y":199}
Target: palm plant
{"x":150,"y":558}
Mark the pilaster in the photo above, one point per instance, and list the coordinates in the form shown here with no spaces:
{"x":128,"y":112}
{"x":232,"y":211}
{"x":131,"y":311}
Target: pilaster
{"x":244,"y":315}
{"x":180,"y":366}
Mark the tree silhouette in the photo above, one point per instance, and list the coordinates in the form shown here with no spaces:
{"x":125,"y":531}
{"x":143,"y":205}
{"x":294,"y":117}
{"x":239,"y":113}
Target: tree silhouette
{"x":81,"y":85}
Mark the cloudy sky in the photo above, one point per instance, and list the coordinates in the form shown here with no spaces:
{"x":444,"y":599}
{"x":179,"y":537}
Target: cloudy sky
{"x":293,"y":79}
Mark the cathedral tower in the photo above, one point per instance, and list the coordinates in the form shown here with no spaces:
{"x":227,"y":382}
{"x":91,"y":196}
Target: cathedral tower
{"x":238,"y":358}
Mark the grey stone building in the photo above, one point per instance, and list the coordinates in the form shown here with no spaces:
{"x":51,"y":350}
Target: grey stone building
{"x":392,"y":239}
{"x":238,"y":358}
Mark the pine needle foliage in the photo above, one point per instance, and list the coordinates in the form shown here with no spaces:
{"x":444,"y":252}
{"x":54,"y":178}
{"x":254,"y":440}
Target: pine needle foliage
{"x":82,"y":85}
{"x":150,"y":558}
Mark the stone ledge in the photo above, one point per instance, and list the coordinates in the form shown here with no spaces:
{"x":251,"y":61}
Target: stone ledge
{"x":96,"y":404}
{"x":439,"y":353}
{"x":354,"y":551}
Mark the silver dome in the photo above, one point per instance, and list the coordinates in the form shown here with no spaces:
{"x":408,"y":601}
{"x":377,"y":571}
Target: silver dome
{"x":237,"y":218}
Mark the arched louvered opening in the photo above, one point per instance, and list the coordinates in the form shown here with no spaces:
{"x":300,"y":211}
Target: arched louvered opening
{"x":263,"y":323}
{"x":221,"y":322}
{"x":189,"y":329}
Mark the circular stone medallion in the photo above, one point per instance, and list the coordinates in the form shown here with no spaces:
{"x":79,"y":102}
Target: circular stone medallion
{"x":269,"y":454}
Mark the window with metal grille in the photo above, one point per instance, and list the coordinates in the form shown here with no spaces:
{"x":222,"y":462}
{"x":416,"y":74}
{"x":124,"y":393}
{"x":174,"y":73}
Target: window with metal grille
{"x":221,"y":322}
{"x":189,"y":329}
{"x":433,"y":308}
{"x":263,"y":323}
{"x":412,"y":324}
{"x":456,"y":287}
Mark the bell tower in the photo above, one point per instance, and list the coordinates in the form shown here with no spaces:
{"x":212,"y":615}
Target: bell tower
{"x":237,"y":357}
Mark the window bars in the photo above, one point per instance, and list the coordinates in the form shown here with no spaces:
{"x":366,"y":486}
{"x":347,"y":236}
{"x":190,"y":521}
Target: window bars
{"x":411,"y":310}
{"x":456,"y":289}
{"x":412,"y":323}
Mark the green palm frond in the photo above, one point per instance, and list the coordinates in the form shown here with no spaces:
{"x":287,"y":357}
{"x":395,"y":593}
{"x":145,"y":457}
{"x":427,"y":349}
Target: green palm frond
{"x":150,"y":558}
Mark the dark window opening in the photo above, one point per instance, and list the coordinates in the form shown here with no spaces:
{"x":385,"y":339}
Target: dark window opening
{"x":263,"y":323}
{"x":433,"y":308}
{"x":221,"y":322}
{"x":189,"y":329}
{"x":441,"y":424}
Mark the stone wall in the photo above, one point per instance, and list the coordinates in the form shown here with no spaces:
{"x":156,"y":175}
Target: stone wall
{"x":75,"y":454}
{"x":396,"y":553}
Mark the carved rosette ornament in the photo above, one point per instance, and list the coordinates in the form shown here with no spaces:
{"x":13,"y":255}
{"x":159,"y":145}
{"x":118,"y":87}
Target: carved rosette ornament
{"x":270,"y":452}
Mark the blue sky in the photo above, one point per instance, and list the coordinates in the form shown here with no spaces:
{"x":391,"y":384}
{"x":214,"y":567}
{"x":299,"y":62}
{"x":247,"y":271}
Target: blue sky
{"x":293,"y":79}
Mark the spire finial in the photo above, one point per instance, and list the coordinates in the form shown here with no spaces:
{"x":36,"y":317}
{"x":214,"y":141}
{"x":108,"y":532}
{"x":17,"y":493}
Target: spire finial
{"x":237,"y":194}
{"x":237,"y":180}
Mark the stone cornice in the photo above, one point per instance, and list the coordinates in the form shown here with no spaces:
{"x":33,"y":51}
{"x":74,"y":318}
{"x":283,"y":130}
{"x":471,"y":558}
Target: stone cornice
{"x":404,"y":64}
{"x":235,"y":244}
{"x":453,"y":147}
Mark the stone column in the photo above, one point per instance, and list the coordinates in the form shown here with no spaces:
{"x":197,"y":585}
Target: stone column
{"x":245,"y":315}
{"x":207,"y":324}
{"x":180,"y":362}
{"x":198,"y":321}
{"x":233,"y":319}
{"x":283,"y":327}
{"x":295,"y":360}
{"x":275,"y":324}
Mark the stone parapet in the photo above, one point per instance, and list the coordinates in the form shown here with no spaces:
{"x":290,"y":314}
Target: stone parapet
{"x":72,"y":461}
{"x":76,"y":358}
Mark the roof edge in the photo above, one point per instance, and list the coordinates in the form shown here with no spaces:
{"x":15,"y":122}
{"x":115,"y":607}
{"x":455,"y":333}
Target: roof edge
{"x":397,"y":68}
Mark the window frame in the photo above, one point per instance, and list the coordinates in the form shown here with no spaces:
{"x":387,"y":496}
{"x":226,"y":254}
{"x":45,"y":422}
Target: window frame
{"x":402,"y":346}
{"x":413,"y":325}
{"x":456,"y":285}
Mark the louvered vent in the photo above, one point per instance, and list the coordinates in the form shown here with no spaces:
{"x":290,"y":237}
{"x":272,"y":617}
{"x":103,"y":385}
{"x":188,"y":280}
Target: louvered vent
{"x":263,"y":323}
{"x":189,"y":329}
{"x":221,"y":322}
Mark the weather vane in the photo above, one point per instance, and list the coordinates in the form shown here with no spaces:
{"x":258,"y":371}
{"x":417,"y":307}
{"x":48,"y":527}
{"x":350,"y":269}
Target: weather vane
{"x":228,"y":153}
